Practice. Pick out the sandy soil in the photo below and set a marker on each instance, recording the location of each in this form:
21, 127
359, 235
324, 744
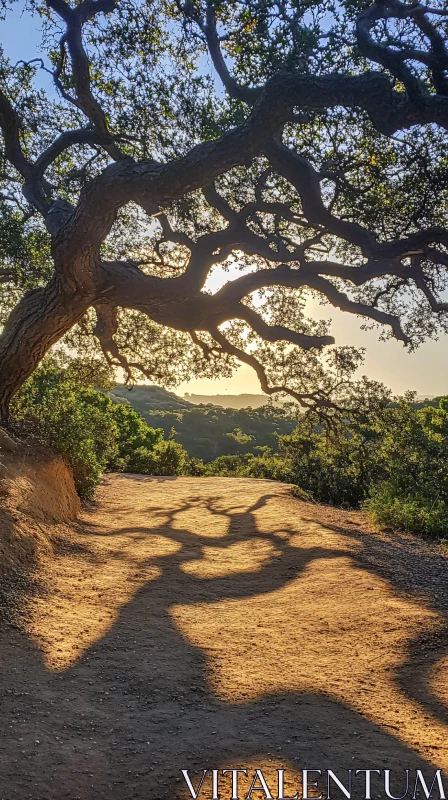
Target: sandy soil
219, 623
37, 493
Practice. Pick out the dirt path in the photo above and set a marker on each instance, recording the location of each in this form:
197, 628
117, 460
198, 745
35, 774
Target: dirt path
219, 623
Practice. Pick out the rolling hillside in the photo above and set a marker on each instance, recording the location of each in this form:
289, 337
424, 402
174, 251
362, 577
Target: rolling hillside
208, 431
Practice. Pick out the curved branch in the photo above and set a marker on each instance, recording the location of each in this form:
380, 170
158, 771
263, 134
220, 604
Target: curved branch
11, 127
105, 330
207, 351
395, 59
84, 99
236, 90
63, 142
340, 300
279, 333
383, 55
307, 400
306, 180
208, 28
309, 276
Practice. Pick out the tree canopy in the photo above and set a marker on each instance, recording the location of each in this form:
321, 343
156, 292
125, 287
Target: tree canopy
298, 145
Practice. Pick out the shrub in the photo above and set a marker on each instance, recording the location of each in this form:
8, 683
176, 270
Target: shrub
77, 422
165, 458
135, 439
269, 465
336, 465
195, 467
225, 466
413, 514
414, 453
93, 433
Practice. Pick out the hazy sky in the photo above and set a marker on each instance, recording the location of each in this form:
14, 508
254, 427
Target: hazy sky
424, 371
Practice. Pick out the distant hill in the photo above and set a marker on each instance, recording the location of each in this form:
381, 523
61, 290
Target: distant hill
228, 400
208, 431
427, 400
149, 398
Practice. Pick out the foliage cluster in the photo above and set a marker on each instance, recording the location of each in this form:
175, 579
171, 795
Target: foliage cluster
61, 407
208, 432
413, 453
393, 465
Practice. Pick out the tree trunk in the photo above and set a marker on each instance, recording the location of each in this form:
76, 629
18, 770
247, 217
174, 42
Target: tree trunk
37, 322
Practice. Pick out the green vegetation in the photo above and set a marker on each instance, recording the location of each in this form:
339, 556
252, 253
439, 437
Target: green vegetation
394, 466
413, 453
208, 431
59, 405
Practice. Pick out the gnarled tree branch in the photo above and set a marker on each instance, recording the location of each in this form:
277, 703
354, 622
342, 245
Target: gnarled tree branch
409, 88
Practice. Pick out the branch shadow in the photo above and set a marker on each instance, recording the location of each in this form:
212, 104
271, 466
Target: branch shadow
416, 569
139, 705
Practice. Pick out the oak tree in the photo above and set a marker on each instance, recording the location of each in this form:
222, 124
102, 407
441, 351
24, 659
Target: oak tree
296, 148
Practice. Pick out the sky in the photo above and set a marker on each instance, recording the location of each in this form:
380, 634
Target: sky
424, 371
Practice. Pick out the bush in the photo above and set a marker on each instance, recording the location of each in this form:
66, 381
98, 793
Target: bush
195, 467
225, 466
394, 466
269, 465
135, 439
413, 514
165, 458
92, 433
336, 466
414, 453
77, 422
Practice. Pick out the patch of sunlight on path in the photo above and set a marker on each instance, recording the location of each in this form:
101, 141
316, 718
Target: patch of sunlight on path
336, 630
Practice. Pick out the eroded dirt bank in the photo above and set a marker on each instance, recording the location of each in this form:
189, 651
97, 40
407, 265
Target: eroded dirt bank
37, 493
192, 623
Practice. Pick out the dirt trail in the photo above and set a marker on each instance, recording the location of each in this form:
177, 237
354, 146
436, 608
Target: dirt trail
219, 623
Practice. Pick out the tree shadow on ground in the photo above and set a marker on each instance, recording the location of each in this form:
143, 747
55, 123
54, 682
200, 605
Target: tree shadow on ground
414, 569
146, 699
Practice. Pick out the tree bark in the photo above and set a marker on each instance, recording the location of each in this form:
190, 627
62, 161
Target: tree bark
37, 322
